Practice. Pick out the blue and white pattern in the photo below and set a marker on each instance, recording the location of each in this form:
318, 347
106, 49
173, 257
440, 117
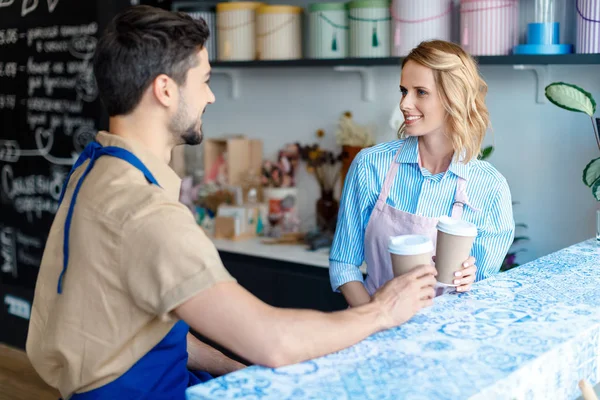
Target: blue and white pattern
416, 191
530, 333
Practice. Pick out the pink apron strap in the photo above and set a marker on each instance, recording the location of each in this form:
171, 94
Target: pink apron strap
389, 179
460, 199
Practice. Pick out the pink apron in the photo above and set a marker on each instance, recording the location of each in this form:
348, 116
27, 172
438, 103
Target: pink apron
386, 221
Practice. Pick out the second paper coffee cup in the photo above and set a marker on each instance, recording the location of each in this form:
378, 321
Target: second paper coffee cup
409, 251
454, 241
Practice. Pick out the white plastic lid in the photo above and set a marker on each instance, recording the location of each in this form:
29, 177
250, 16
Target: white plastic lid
408, 245
456, 227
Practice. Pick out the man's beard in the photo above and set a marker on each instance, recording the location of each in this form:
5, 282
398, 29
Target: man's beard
186, 132
192, 136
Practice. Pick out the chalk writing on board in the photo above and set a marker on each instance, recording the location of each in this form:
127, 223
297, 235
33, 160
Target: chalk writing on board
15, 245
28, 246
6, 3
44, 139
32, 195
18, 306
52, 5
8, 36
8, 69
83, 47
28, 6
8, 251
10, 151
8, 101
47, 115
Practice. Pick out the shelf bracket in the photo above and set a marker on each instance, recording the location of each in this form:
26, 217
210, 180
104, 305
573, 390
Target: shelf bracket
542, 79
366, 74
234, 76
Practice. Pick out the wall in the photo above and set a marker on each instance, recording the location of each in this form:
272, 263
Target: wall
540, 148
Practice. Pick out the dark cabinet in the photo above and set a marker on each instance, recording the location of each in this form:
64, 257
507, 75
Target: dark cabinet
284, 284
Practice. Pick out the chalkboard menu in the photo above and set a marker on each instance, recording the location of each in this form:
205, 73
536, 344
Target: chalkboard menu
49, 111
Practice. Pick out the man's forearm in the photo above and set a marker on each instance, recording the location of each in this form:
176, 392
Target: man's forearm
271, 336
305, 334
202, 357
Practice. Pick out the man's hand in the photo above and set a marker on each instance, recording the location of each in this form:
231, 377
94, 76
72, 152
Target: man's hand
402, 297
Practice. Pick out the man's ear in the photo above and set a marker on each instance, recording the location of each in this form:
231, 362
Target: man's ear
164, 90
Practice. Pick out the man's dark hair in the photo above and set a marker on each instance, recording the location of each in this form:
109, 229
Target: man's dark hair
139, 44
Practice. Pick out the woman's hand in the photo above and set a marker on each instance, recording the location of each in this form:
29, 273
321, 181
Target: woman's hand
465, 277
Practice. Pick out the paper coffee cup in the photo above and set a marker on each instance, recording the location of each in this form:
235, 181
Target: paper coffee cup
454, 242
409, 251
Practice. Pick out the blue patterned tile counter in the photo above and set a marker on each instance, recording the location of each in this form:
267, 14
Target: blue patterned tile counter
529, 333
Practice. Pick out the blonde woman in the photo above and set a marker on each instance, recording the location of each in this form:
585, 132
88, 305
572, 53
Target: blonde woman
404, 186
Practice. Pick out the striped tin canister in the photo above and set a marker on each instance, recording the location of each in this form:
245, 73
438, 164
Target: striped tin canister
418, 20
489, 27
328, 30
279, 32
369, 22
588, 26
207, 14
236, 36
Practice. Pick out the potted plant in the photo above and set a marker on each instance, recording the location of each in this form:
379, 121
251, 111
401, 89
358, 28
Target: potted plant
353, 138
573, 98
324, 165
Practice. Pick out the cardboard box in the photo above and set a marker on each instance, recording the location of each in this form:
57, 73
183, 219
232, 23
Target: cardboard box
237, 222
242, 156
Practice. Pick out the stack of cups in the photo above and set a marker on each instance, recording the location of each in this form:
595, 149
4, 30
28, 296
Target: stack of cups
454, 242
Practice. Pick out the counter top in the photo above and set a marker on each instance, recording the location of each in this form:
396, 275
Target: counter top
284, 252
532, 332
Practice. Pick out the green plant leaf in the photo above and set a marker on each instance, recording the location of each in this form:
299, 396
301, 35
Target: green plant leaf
596, 189
486, 152
520, 239
591, 173
571, 97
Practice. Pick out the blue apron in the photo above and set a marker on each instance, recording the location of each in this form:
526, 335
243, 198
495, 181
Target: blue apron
162, 373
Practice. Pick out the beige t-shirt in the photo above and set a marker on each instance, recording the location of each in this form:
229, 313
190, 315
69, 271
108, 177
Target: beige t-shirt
136, 253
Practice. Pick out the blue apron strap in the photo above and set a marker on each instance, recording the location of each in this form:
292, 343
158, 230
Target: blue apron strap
126, 155
93, 151
90, 149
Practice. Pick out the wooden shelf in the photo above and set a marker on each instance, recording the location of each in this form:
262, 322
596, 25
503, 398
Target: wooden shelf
563, 59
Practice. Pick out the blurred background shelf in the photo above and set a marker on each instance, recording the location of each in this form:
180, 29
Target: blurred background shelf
561, 59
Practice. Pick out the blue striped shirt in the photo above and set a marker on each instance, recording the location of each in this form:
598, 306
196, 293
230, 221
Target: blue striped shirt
416, 191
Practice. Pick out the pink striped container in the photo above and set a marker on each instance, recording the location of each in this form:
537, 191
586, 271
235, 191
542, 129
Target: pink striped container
588, 26
418, 20
489, 27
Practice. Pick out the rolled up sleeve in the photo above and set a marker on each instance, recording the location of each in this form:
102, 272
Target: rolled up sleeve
347, 250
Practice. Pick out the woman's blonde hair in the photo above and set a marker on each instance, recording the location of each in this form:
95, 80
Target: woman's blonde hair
462, 92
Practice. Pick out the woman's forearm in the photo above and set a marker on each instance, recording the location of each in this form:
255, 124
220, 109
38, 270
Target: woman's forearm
355, 293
